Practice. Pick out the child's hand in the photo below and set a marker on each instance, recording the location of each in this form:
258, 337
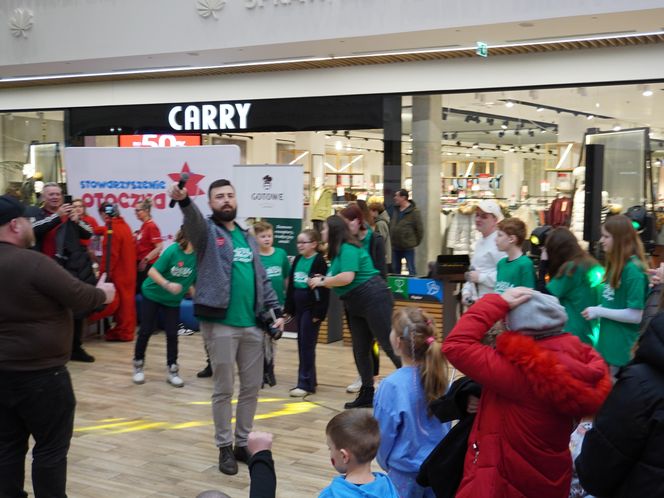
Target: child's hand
473, 404
174, 288
514, 296
259, 441
591, 312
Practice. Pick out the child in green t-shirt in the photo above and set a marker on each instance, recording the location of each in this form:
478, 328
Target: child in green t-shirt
277, 267
517, 269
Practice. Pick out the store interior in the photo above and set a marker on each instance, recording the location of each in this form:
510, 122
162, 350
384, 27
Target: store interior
520, 147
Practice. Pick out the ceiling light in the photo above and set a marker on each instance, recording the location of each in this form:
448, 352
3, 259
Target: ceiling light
509, 103
504, 125
597, 104
540, 109
338, 145
476, 145
617, 127
517, 132
501, 134
489, 121
531, 133
647, 92
589, 117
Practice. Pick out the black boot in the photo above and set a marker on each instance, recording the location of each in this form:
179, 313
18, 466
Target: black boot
206, 372
364, 399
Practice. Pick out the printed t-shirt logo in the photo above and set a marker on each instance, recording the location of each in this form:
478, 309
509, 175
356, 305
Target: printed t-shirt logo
180, 271
273, 271
502, 287
242, 255
608, 293
300, 277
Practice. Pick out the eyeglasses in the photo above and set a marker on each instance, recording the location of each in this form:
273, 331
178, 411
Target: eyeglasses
305, 241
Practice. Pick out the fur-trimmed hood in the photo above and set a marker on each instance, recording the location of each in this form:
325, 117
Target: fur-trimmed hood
573, 380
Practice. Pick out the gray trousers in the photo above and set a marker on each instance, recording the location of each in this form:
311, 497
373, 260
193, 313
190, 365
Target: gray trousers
227, 346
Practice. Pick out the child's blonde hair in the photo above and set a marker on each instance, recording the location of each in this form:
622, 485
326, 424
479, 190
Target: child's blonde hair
416, 331
262, 226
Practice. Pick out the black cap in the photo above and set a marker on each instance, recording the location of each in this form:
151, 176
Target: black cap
10, 208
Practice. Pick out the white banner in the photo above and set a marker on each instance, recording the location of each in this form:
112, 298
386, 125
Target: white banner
269, 190
127, 175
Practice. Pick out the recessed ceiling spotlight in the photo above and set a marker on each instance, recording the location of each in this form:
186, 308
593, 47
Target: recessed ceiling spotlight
476, 145
589, 117
597, 105
504, 125
540, 109
509, 103
617, 127
647, 92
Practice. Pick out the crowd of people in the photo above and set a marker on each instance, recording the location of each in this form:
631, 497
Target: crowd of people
546, 346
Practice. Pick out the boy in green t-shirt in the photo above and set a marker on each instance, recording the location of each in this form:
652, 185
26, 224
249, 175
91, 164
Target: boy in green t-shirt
276, 264
517, 269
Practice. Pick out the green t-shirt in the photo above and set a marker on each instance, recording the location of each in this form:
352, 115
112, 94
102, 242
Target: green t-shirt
178, 267
355, 259
277, 267
616, 339
240, 311
519, 272
302, 270
578, 288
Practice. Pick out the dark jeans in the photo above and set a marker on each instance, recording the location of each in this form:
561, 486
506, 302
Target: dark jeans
307, 337
398, 255
170, 316
369, 309
41, 404
141, 275
77, 339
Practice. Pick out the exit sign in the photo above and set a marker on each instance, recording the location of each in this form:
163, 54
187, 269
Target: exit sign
482, 49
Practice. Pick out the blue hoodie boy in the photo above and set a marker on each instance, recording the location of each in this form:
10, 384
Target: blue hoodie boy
381, 487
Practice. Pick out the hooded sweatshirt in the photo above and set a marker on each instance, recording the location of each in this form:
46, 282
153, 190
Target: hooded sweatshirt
534, 388
381, 487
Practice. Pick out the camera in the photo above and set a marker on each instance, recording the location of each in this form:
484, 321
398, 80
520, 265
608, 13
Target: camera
268, 326
109, 209
538, 239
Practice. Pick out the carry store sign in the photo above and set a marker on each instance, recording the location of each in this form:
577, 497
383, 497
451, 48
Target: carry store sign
126, 176
415, 289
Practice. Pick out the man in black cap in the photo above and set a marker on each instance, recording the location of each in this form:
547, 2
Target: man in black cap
36, 394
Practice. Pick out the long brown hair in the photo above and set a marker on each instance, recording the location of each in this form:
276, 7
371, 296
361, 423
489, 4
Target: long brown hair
338, 233
626, 243
562, 247
416, 330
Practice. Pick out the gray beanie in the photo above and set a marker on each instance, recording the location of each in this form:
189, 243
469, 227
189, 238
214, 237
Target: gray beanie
541, 315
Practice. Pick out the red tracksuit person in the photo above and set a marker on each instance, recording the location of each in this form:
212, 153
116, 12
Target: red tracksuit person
123, 275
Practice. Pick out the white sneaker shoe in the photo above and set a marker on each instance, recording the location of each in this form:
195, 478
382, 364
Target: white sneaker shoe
355, 386
139, 375
174, 378
296, 392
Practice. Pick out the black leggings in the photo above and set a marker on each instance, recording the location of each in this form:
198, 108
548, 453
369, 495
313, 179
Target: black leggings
171, 316
369, 311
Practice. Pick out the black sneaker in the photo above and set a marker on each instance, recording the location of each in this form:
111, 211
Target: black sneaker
364, 399
206, 372
241, 454
81, 355
227, 462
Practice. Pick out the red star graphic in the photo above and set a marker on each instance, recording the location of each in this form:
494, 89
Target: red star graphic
192, 184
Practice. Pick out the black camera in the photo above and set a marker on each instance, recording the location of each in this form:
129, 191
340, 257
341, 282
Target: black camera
268, 325
537, 239
109, 209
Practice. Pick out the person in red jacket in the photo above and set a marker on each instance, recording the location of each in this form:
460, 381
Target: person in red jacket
122, 273
535, 384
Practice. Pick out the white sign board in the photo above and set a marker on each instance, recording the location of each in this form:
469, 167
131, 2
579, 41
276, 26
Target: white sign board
269, 190
127, 175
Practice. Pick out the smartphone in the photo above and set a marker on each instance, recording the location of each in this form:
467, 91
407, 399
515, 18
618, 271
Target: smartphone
68, 199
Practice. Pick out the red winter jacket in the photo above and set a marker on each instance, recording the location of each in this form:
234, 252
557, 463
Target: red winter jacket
532, 393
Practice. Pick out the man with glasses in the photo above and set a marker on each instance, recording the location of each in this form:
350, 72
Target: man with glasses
36, 395
59, 231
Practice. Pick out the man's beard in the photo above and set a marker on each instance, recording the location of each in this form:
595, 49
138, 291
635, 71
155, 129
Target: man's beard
224, 215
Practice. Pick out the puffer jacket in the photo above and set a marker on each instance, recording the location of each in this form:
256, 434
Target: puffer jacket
406, 228
622, 455
532, 392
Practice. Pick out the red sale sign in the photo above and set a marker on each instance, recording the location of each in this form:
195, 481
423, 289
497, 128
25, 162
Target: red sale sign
154, 140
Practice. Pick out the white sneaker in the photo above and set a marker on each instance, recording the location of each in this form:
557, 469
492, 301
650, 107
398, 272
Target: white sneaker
355, 386
296, 392
139, 375
174, 378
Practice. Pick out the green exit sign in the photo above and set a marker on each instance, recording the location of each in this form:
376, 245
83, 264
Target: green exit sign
482, 49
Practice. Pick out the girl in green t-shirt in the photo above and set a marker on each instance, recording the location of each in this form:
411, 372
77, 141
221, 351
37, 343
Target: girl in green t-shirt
575, 279
624, 293
169, 279
366, 297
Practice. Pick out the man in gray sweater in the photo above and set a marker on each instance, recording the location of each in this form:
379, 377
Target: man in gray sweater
36, 394
232, 293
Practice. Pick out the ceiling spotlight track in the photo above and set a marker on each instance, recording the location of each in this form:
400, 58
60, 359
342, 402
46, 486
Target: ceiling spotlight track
540, 107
